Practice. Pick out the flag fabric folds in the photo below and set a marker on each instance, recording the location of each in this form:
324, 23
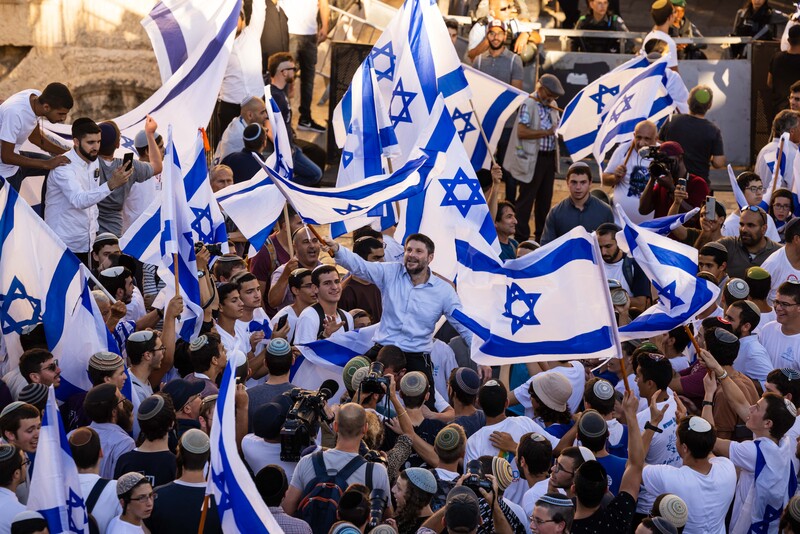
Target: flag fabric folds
46, 284
240, 507
524, 310
665, 225
672, 269
55, 489
452, 199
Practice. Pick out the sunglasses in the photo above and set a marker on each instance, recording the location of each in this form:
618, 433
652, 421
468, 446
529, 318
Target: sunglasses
755, 209
52, 367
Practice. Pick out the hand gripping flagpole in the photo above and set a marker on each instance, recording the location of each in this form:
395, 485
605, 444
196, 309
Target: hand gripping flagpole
774, 184
288, 228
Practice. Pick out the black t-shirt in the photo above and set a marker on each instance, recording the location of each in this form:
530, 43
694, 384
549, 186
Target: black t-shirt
699, 138
159, 467
785, 70
427, 430
243, 165
616, 517
177, 510
286, 110
471, 423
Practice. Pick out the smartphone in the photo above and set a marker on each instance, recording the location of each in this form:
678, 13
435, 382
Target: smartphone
282, 322
682, 182
711, 209
127, 160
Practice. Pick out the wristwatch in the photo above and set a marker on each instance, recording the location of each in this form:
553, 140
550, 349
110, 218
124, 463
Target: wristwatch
650, 426
708, 403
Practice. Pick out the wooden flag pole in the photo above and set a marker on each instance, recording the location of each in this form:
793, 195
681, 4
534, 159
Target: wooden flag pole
693, 340
628, 155
624, 374
288, 229
201, 527
777, 168
177, 278
316, 234
483, 134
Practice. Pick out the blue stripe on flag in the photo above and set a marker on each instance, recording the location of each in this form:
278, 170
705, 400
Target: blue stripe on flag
452, 82
174, 43
347, 107
420, 49
332, 352
197, 175
489, 123
145, 236
674, 259
663, 322
370, 136
581, 142
7, 218
56, 305
568, 251
442, 135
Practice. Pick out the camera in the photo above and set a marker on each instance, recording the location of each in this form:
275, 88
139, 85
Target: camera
374, 457
303, 420
215, 249
377, 503
476, 478
374, 381
661, 165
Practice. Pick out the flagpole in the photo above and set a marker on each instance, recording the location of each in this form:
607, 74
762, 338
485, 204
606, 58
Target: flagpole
628, 155
288, 229
203, 514
318, 236
694, 341
98, 284
777, 168
483, 134
177, 278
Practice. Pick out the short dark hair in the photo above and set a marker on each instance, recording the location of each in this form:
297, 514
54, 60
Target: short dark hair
493, 398
451, 23
296, 277
365, 245
9, 466
317, 273
114, 283
276, 59
224, 290
190, 461
681, 338
700, 444
57, 96
10, 422
502, 205
425, 240
661, 14
31, 362
538, 454
720, 256
392, 358
463, 397
603, 406
97, 377
101, 411
87, 453
659, 371
746, 178
157, 426
746, 314
242, 278
202, 356
84, 126
607, 228
366, 231
795, 87
279, 365
594, 444
224, 269
759, 287
785, 385
790, 289
700, 106
558, 514
777, 412
591, 481
791, 230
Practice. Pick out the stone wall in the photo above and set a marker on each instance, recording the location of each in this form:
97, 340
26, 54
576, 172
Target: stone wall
97, 48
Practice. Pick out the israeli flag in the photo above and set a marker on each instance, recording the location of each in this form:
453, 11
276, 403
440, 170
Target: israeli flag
452, 199
258, 194
494, 102
325, 358
523, 310
583, 115
46, 283
672, 269
414, 62
665, 225
55, 489
240, 507
765, 166
645, 97
738, 194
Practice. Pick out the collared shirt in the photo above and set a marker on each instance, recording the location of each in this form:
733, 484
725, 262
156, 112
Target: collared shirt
10, 506
289, 524
410, 312
548, 143
740, 259
232, 139
243, 77
115, 442
140, 389
565, 216
73, 192
753, 359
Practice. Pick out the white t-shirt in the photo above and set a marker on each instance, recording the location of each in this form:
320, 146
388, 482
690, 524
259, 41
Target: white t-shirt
783, 350
628, 191
534, 494
243, 78
753, 359
17, 122
576, 375
11, 507
118, 526
259, 454
291, 320
709, 495
107, 506
663, 449
140, 196
780, 270
302, 15
672, 48
238, 342
614, 272
479, 445
307, 325
731, 227
766, 318
444, 361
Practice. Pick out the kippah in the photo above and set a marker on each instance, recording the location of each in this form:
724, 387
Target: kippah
794, 507
790, 373
723, 336
702, 96
586, 454
106, 237
448, 439
33, 393
502, 472
535, 436
492, 383
112, 272
195, 441
383, 529
141, 336
150, 407
422, 479
80, 436
716, 245
468, 380
674, 510
229, 257
279, 347
345, 528
752, 306
105, 361
358, 376
237, 358
603, 389
414, 384
738, 288
577, 165
648, 346
698, 424
198, 343
758, 273
6, 451
663, 526
350, 369
27, 515
127, 482
252, 132
556, 501
659, 4
11, 407
592, 425
790, 406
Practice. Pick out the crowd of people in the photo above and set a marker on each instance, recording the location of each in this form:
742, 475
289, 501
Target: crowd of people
694, 430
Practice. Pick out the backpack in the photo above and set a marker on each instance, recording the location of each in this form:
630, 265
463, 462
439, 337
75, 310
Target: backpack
91, 500
342, 317
322, 494
443, 487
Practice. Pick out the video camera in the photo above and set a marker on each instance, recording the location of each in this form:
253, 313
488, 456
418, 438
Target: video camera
215, 249
303, 420
662, 165
476, 478
374, 382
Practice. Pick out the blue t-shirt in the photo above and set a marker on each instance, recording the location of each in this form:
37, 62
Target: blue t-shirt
559, 429
614, 467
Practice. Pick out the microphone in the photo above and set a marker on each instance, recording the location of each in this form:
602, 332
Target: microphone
644, 152
328, 389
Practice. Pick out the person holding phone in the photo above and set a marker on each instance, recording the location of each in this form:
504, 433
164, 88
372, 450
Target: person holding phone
305, 295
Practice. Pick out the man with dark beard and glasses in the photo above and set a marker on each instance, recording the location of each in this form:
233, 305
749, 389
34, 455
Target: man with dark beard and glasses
73, 190
112, 418
413, 300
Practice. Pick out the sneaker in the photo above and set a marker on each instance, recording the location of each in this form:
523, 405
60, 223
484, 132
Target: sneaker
310, 126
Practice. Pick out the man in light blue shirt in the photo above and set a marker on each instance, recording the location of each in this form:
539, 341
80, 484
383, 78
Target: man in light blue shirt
413, 298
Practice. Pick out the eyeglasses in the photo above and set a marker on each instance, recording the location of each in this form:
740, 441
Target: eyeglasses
294, 69
145, 498
782, 304
540, 521
306, 286
505, 8
160, 349
558, 467
777, 206
755, 189
52, 367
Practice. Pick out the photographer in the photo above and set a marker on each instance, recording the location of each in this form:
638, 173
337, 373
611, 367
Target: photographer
667, 172
312, 482
492, 519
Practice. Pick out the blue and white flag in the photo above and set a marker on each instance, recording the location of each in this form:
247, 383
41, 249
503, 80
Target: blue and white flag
46, 283
672, 269
665, 225
523, 310
414, 62
55, 489
259, 195
452, 199
645, 97
584, 113
240, 507
738, 194
494, 102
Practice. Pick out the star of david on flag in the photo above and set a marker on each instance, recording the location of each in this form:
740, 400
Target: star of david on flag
26, 308
672, 268
598, 97
504, 303
466, 118
455, 189
400, 111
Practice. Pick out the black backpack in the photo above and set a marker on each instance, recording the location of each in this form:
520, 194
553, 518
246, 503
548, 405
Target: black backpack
342, 318
91, 500
443, 487
322, 494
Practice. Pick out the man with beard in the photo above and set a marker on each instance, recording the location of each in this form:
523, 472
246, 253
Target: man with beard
752, 247
413, 299
145, 354
111, 416
306, 255
498, 61
619, 266
73, 190
753, 359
